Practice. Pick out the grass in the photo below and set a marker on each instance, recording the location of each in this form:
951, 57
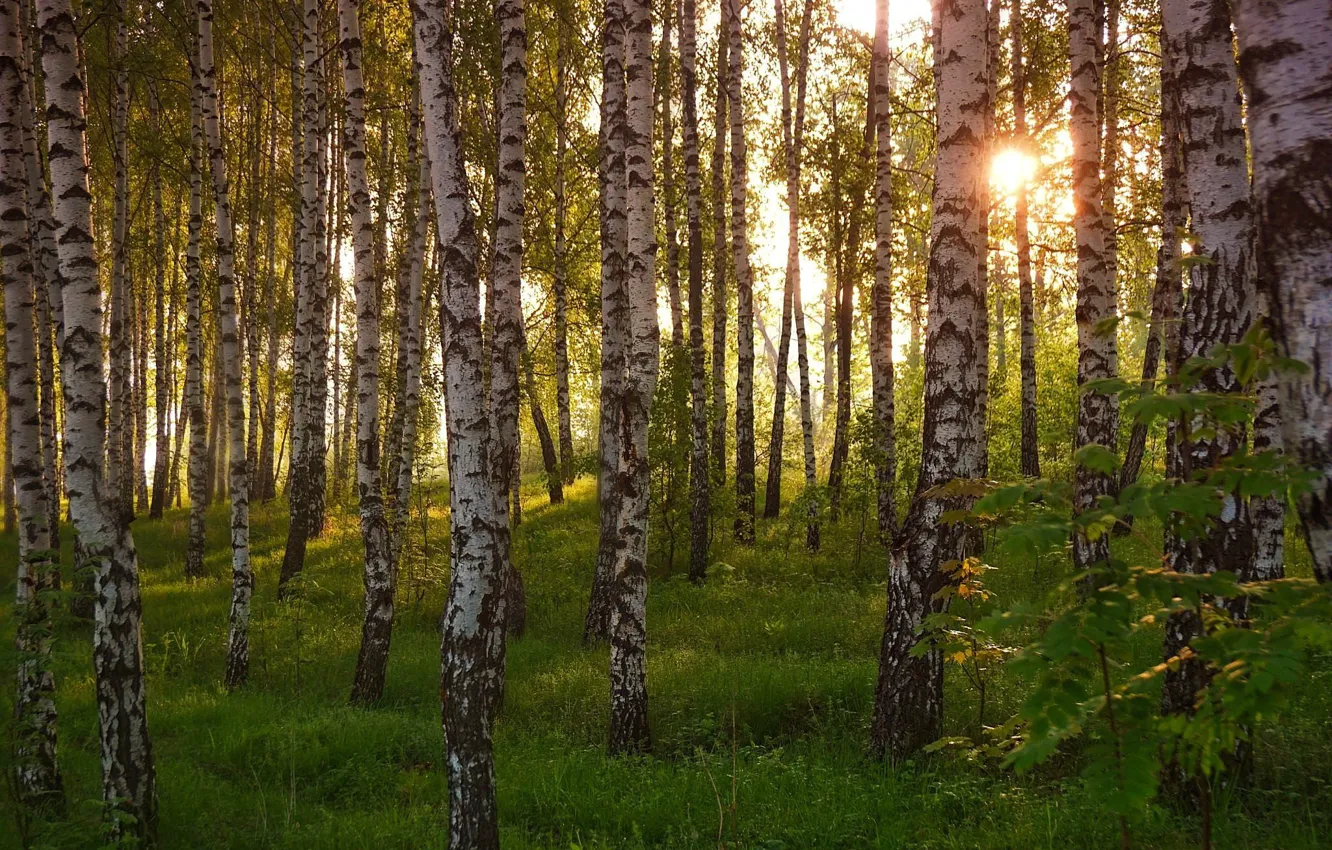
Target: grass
760, 682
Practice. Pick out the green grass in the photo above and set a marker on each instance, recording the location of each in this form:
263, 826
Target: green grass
760, 683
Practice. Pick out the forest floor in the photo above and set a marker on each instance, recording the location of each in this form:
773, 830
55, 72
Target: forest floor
760, 683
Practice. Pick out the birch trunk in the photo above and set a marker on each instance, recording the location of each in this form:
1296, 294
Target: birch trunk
266, 474
744, 280
614, 312
550, 459
668, 185
1030, 447
719, 312
1098, 413
402, 428
310, 346
197, 471
120, 426
37, 770
1221, 291
238, 478
162, 373
700, 496
561, 249
506, 341
908, 705
128, 778
377, 626
628, 625
881, 298
46, 269
1290, 124
472, 665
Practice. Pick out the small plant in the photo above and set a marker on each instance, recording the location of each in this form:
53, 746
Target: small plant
959, 633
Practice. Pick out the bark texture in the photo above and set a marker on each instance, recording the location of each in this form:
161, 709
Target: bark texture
908, 706
881, 296
744, 279
1098, 357
238, 478
1284, 51
37, 770
128, 776
472, 644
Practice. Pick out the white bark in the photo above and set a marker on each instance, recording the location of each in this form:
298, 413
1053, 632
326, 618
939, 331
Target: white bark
472, 672
128, 778
881, 296
242, 580
377, 623
36, 768
1285, 53
744, 280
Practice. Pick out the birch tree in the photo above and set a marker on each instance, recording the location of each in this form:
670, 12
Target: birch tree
505, 291
1098, 412
238, 478
628, 626
472, 644
197, 473
561, 245
719, 303
37, 770
908, 702
744, 280
700, 494
1030, 449
614, 310
379, 581
881, 297
128, 775
1283, 48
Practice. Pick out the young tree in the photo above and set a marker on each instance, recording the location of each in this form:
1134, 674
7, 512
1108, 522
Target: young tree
1166, 291
238, 478
699, 490
628, 626
128, 776
197, 471
37, 770
1030, 449
120, 427
744, 279
881, 297
377, 624
1098, 358
505, 291
908, 702
561, 245
719, 303
1290, 123
472, 644
162, 375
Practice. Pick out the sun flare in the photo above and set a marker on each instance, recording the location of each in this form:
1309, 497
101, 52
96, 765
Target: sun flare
1011, 170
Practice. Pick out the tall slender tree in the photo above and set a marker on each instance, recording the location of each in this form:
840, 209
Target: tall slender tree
561, 243
377, 624
37, 770
238, 477
1098, 412
628, 626
744, 279
196, 472
700, 493
472, 644
614, 310
881, 297
505, 290
128, 774
719, 264
1030, 448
